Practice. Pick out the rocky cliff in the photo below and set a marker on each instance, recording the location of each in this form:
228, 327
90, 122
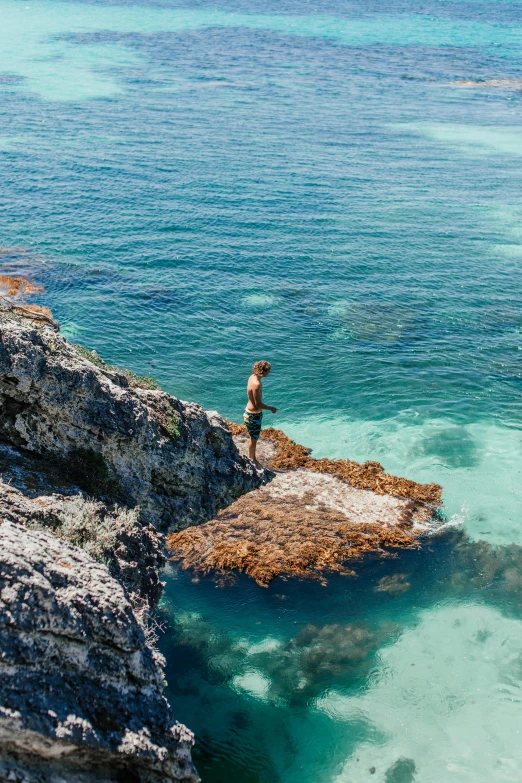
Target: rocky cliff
135, 446
97, 465
95, 468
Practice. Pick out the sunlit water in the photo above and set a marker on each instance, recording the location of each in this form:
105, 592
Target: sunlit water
200, 186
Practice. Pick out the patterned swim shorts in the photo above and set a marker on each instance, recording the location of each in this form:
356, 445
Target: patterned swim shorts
253, 423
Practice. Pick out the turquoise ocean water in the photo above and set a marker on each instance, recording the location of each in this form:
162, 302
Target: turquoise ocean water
199, 186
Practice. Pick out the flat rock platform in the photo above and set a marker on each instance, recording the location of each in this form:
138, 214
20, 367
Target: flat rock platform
313, 517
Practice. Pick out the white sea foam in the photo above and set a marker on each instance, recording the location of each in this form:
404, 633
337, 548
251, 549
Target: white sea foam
70, 329
447, 695
478, 464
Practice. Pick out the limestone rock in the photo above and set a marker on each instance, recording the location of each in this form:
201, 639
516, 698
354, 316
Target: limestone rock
80, 691
137, 447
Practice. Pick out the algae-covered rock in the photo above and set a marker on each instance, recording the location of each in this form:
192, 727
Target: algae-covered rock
310, 521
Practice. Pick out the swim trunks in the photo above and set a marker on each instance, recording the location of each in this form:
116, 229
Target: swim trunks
253, 423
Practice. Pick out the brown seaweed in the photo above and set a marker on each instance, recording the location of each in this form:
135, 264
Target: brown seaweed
13, 286
370, 475
12, 298
267, 537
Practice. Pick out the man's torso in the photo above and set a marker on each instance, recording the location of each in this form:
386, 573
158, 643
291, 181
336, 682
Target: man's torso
255, 394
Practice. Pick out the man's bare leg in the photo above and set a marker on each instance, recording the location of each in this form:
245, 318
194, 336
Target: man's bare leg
252, 443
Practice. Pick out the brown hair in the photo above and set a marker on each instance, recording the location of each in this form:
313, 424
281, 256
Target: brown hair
261, 368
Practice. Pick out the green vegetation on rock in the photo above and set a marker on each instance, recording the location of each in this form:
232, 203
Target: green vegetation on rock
135, 381
83, 525
172, 426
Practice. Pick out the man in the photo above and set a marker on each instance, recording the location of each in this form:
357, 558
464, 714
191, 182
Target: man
254, 410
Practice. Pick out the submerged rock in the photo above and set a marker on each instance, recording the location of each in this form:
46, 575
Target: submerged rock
294, 670
403, 771
318, 656
394, 585
80, 691
312, 519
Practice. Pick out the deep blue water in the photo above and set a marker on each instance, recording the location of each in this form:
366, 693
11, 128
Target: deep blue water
199, 186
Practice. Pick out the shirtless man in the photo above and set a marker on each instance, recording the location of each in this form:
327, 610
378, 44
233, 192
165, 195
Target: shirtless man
253, 415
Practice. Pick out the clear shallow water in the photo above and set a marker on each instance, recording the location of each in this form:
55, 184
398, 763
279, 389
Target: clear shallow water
204, 186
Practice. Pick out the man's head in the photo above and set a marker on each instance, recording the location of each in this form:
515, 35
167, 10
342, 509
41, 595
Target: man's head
261, 369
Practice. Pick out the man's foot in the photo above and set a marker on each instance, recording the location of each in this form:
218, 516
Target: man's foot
258, 464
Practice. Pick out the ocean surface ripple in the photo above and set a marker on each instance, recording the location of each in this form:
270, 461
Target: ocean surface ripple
335, 187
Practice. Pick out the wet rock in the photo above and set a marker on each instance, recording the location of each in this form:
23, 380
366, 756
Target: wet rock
80, 691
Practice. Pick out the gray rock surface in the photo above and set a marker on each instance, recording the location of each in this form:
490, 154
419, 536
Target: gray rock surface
141, 448
132, 551
80, 691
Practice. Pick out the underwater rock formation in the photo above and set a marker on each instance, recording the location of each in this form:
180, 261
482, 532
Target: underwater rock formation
394, 585
402, 771
494, 570
120, 444
80, 690
319, 655
294, 670
313, 518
